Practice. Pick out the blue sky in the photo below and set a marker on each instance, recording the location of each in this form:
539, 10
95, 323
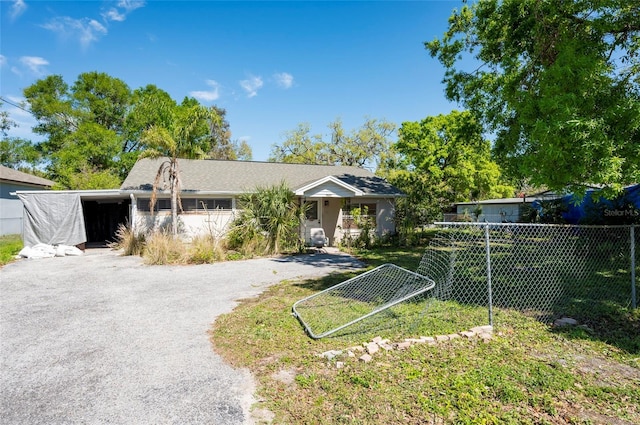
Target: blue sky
271, 65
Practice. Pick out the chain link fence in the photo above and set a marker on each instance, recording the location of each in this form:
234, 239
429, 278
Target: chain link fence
474, 273
544, 271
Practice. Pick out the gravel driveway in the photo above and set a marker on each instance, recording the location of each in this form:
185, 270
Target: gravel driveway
105, 339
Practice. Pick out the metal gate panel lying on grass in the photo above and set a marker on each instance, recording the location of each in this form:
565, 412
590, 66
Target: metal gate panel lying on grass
379, 289
356, 299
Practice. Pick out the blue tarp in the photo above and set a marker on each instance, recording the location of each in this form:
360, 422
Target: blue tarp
624, 209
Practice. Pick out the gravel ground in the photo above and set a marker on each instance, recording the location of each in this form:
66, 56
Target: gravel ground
103, 339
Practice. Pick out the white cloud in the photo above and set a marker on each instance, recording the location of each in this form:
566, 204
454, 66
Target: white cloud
17, 9
122, 9
113, 15
251, 85
35, 64
85, 30
3, 60
208, 96
131, 5
284, 79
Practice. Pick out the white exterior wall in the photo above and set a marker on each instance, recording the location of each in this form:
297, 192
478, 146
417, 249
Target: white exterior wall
493, 213
216, 223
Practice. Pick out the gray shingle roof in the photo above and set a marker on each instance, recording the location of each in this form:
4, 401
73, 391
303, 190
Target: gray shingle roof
216, 176
9, 174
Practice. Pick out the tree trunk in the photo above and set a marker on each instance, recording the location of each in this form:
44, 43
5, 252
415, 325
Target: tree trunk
174, 198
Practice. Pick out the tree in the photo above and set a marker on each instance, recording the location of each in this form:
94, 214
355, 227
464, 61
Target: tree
84, 125
444, 159
94, 128
556, 81
15, 152
300, 148
185, 135
243, 150
144, 113
363, 147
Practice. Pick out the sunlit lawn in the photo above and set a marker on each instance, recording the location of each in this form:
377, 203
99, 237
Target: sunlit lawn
10, 245
528, 373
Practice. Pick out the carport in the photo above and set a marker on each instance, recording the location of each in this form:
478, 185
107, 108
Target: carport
100, 213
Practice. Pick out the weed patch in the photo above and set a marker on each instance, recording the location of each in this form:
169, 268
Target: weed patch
10, 246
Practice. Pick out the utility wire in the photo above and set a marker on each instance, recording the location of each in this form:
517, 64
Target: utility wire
61, 116
7, 101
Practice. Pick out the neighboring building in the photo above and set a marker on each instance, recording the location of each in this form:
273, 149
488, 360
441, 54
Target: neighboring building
503, 210
11, 212
210, 190
565, 209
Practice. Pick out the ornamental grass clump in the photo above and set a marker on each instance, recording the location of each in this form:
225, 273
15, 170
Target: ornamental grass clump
129, 241
205, 249
163, 248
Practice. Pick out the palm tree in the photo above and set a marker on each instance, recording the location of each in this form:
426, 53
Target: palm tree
185, 135
270, 213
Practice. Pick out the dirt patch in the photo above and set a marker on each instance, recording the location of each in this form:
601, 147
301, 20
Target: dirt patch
607, 372
286, 376
590, 416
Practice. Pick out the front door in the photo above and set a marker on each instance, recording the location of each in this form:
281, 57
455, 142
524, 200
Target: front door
312, 218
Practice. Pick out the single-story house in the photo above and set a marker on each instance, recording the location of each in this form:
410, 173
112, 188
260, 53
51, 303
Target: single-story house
10, 206
501, 210
210, 190
624, 209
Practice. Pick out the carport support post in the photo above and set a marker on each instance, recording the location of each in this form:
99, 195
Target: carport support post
133, 212
634, 303
488, 251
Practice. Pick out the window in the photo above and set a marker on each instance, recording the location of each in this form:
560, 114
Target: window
311, 210
188, 204
367, 212
161, 205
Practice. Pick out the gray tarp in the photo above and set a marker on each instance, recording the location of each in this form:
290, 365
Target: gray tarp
53, 218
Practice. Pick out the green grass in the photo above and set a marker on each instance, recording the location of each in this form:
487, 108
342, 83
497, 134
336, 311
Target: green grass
528, 373
10, 245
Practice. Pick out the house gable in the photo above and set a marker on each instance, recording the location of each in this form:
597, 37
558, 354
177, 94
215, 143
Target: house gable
328, 187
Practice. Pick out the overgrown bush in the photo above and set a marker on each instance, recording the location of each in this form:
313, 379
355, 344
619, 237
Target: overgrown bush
366, 236
131, 243
411, 217
163, 248
205, 249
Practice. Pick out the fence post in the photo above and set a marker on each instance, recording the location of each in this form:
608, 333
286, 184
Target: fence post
488, 251
633, 268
